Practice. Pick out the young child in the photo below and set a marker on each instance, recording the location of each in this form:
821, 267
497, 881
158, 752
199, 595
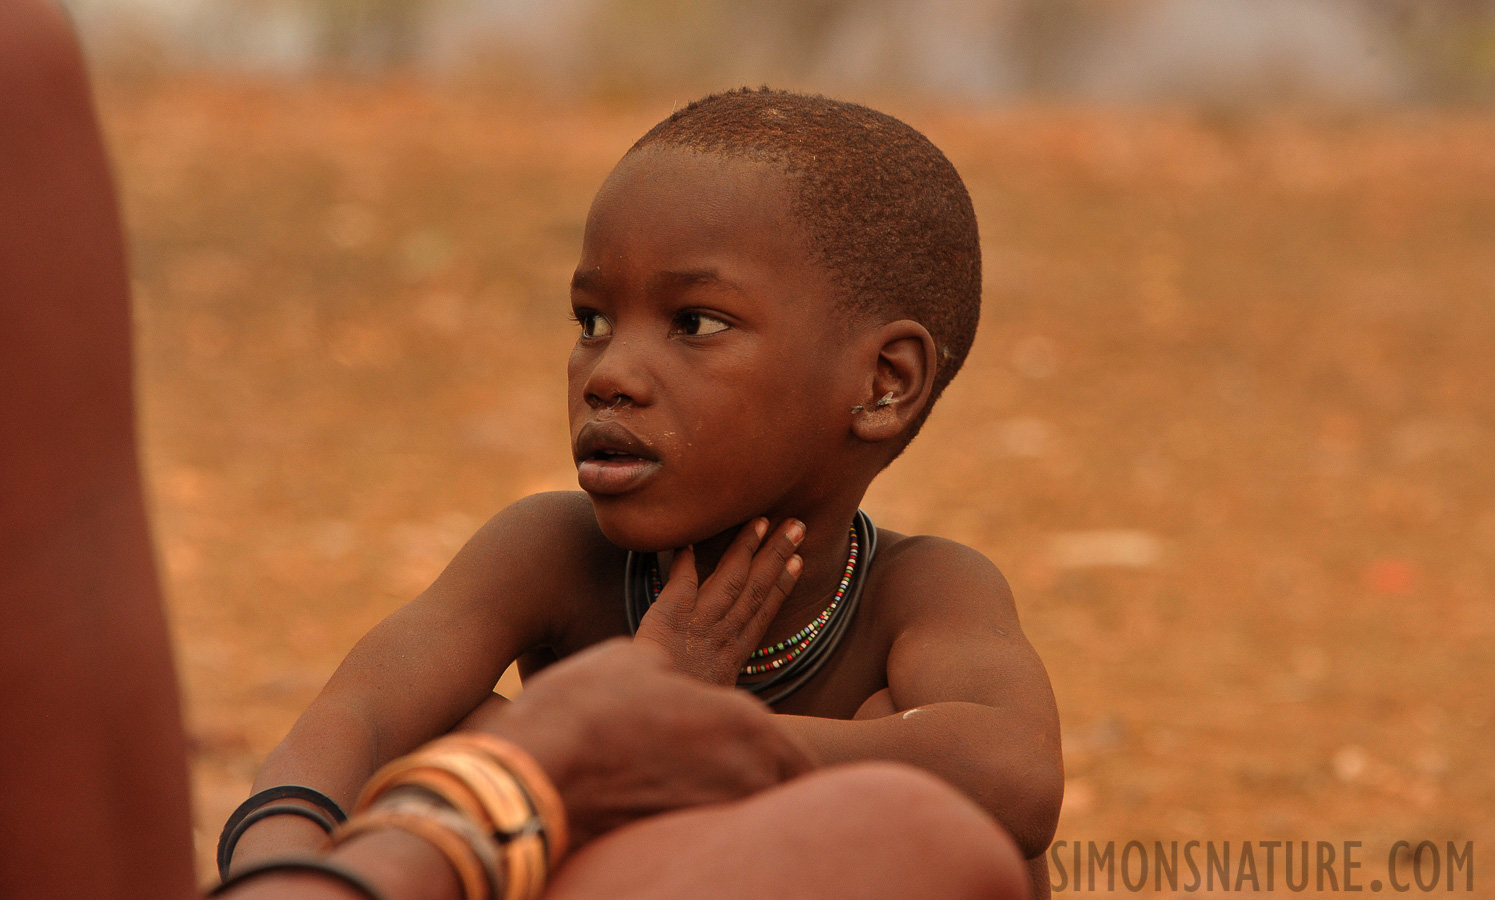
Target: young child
773, 291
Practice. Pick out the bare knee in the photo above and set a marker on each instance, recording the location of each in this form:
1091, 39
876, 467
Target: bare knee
925, 815
871, 830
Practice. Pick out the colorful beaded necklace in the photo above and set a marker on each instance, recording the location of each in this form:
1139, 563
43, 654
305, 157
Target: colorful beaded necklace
790, 648
792, 662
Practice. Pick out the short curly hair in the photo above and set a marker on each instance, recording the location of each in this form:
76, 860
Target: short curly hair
885, 211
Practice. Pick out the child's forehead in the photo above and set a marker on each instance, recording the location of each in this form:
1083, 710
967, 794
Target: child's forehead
670, 222
671, 199
716, 178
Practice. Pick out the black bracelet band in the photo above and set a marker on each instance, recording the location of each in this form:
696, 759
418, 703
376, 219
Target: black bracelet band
322, 820
234, 828
300, 864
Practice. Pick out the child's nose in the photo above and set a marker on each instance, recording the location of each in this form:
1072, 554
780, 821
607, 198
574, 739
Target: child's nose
598, 401
618, 378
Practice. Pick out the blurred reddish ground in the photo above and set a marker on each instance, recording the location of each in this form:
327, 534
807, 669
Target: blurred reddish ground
1228, 426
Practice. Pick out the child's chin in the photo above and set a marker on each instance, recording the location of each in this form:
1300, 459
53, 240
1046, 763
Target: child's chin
631, 529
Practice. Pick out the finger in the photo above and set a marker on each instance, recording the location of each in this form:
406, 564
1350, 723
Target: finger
768, 570
749, 538
730, 578
758, 622
681, 581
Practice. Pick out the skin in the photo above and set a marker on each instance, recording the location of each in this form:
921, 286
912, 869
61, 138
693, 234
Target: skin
717, 759
94, 775
99, 804
711, 336
945, 846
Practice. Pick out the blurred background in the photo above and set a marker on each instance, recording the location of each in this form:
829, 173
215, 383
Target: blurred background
1222, 426
1218, 50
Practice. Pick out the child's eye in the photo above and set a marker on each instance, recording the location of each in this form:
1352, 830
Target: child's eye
593, 324
698, 323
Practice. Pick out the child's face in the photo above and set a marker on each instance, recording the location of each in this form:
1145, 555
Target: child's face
707, 384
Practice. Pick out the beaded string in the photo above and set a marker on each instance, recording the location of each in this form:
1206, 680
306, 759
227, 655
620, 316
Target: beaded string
775, 686
792, 647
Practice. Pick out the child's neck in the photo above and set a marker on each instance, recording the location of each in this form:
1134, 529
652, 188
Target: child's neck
825, 548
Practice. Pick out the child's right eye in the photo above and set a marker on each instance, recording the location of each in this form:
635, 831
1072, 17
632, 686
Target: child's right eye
593, 324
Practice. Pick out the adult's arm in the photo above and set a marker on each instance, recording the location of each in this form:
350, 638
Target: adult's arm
684, 764
94, 801
620, 736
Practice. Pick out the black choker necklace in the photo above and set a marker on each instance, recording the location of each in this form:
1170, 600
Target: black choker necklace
637, 597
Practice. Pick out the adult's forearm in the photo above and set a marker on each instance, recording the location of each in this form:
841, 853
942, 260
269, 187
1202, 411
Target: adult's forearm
664, 749
1013, 776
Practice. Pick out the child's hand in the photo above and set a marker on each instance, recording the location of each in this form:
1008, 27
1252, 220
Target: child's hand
709, 632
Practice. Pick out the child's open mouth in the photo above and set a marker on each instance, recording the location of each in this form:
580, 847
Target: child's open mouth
612, 460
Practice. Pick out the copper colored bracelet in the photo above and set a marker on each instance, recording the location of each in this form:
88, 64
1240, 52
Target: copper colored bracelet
416, 770
469, 851
544, 798
498, 787
508, 814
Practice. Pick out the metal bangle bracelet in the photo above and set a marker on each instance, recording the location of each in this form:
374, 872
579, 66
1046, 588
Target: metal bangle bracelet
265, 799
231, 839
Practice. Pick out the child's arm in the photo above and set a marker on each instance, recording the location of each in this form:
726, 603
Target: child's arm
427, 665
979, 709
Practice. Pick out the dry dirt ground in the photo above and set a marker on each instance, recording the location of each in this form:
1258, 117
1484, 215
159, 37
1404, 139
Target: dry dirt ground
1228, 425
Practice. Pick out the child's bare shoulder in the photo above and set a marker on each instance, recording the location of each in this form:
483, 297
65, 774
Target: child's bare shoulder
531, 562
923, 579
550, 523
952, 630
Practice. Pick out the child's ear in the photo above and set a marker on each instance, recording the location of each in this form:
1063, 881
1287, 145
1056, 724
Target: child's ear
900, 382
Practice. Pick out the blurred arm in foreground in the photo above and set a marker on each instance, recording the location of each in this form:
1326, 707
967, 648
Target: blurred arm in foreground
95, 802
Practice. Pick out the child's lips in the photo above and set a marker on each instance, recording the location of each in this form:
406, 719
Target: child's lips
610, 475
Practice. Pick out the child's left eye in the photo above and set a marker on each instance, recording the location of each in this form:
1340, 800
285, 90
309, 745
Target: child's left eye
698, 323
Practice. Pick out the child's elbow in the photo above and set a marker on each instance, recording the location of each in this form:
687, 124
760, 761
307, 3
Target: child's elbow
1029, 810
1046, 796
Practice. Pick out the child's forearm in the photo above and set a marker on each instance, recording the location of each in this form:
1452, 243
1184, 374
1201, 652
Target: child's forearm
1011, 772
331, 748
398, 863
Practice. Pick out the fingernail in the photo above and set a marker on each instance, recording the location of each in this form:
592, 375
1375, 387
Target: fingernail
796, 532
760, 528
794, 564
